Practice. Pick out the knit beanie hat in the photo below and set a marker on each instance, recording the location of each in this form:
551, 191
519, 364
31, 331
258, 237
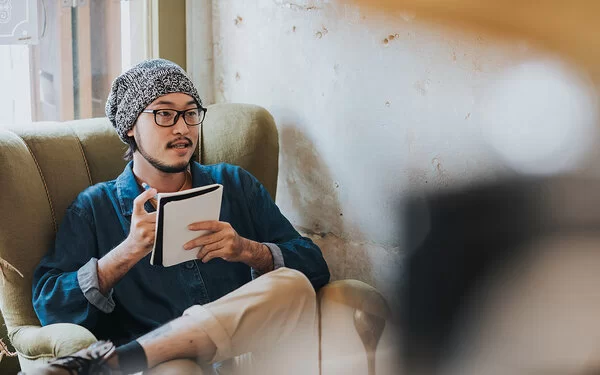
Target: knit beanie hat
134, 90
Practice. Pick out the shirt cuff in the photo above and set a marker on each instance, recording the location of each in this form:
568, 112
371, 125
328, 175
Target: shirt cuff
277, 259
87, 277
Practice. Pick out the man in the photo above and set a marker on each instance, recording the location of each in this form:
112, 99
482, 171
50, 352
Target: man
98, 274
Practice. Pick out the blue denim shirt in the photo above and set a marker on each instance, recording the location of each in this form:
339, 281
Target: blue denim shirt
65, 285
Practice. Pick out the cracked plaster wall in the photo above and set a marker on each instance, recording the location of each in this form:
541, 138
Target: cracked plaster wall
369, 109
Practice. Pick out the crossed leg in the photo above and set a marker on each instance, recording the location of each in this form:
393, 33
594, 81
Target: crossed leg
273, 317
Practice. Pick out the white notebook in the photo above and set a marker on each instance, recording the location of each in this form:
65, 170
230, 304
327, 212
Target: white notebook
175, 211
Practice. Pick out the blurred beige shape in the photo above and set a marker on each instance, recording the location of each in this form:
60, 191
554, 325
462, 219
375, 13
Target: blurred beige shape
570, 28
536, 317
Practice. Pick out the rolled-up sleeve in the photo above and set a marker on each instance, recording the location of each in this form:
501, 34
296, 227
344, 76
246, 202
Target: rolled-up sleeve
277, 258
87, 276
277, 255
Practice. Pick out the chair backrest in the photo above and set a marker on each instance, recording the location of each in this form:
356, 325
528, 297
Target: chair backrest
43, 166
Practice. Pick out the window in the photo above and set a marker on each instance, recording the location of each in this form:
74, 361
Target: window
82, 46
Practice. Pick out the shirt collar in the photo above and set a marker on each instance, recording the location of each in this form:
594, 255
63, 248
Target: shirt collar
128, 188
200, 175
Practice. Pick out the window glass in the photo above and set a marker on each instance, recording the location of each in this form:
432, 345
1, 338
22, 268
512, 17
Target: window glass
68, 73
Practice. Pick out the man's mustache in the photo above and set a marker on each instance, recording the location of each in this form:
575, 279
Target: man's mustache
189, 141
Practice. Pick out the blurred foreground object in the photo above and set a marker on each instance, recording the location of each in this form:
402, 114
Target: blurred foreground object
504, 278
570, 28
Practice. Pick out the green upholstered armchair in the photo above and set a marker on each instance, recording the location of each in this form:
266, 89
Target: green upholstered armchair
43, 166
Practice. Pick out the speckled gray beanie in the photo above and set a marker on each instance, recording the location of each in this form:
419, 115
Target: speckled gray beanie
134, 90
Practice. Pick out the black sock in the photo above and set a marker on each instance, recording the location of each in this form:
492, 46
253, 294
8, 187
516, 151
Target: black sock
132, 358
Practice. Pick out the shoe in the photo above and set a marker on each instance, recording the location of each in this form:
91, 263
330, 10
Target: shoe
91, 360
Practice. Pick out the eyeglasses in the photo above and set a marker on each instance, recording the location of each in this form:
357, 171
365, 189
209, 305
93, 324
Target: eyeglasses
169, 117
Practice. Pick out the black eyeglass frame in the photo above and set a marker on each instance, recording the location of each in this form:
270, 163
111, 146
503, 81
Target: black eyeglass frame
176, 118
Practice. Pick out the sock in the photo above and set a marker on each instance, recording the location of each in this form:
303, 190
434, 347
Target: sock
132, 358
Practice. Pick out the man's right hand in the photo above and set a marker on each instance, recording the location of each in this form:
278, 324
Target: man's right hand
114, 265
143, 225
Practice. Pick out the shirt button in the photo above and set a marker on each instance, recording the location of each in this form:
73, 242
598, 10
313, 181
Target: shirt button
189, 265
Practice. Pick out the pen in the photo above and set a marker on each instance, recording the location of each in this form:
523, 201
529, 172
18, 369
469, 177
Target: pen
147, 187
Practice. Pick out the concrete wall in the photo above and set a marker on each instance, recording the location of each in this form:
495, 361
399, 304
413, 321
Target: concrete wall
369, 108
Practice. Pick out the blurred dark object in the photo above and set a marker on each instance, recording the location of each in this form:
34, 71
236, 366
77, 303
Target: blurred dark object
457, 239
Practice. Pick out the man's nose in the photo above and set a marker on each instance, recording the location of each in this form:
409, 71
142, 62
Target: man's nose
180, 126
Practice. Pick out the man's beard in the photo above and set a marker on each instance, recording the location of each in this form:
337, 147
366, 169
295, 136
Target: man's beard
162, 166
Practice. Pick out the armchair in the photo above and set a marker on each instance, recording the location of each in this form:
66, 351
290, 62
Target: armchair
43, 166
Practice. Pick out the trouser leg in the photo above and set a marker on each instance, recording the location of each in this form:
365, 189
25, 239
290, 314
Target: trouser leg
181, 366
274, 317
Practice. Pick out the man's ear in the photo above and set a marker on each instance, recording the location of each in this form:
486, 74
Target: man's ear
130, 132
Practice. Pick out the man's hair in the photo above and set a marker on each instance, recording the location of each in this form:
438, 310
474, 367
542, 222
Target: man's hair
131, 148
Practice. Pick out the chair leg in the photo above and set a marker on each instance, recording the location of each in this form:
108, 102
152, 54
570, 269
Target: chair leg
370, 328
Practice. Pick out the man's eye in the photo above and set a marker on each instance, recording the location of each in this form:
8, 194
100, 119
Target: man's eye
192, 113
164, 114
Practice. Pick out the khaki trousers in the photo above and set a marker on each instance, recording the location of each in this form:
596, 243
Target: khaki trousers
268, 326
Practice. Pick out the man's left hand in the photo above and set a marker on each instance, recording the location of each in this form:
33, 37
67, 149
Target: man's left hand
224, 242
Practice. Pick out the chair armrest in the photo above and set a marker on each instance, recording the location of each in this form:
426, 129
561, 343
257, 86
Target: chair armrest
352, 320
357, 295
54, 340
